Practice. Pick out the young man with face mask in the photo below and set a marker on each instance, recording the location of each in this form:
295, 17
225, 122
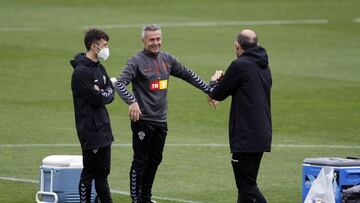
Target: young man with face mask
149, 71
92, 90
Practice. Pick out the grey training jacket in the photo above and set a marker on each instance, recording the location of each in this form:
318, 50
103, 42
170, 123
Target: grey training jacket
149, 76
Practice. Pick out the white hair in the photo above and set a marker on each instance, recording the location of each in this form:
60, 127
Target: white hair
149, 27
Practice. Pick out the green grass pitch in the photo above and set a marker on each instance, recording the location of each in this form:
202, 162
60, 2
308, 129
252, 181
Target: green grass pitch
315, 94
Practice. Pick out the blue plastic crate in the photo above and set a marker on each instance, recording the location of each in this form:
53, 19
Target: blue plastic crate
347, 174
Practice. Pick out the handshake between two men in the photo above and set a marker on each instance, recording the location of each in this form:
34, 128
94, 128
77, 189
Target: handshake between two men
213, 103
215, 79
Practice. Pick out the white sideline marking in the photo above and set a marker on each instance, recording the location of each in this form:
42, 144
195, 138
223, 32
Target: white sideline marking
38, 145
155, 197
317, 146
181, 24
215, 23
18, 180
187, 145
113, 191
357, 20
21, 29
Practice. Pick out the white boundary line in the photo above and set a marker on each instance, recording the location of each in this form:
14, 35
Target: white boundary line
187, 24
317, 146
37, 145
112, 191
155, 197
215, 23
21, 29
18, 180
187, 145
182, 24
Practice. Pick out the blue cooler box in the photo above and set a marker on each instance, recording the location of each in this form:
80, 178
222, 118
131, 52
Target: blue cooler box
347, 174
59, 180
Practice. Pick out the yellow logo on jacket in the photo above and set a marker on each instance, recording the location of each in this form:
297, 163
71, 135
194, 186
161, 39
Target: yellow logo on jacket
159, 85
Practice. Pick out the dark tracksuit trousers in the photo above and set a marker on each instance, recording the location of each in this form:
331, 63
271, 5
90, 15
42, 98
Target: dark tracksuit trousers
246, 168
96, 167
148, 145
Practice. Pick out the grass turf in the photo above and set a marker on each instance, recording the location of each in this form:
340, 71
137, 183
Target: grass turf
315, 95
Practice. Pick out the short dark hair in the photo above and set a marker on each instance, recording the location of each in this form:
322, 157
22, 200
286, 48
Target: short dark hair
94, 35
247, 42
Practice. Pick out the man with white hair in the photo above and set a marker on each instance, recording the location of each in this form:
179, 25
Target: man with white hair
149, 72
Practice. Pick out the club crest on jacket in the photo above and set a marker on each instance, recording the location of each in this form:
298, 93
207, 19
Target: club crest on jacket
141, 135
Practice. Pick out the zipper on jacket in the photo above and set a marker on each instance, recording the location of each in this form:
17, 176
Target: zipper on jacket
158, 68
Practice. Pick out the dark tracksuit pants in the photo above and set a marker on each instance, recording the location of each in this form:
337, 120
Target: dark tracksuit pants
148, 145
246, 167
96, 167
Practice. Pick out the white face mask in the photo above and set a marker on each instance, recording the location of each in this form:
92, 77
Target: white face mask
104, 53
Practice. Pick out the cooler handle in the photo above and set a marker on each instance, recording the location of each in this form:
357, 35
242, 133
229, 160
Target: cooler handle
42, 192
56, 199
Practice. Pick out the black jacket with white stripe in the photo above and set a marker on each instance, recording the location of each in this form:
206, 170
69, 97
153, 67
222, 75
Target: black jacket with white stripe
149, 75
91, 116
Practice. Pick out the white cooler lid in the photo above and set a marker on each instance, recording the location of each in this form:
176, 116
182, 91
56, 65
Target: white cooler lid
332, 161
69, 161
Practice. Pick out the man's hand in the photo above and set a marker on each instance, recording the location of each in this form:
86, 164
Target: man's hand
113, 81
212, 103
134, 112
218, 74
